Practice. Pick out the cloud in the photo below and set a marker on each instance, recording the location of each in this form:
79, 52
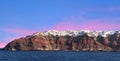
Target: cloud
88, 25
66, 26
98, 25
18, 31
116, 8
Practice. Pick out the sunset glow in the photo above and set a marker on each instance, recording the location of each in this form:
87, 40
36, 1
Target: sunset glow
22, 18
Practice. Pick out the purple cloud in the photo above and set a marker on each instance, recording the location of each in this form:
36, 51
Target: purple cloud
116, 8
88, 25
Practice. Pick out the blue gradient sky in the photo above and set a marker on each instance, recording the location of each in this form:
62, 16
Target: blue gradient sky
22, 17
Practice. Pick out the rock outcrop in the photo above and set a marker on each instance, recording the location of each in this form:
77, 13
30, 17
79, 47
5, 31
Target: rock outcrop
68, 40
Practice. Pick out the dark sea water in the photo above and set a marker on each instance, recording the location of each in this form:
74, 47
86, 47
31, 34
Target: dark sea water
58, 56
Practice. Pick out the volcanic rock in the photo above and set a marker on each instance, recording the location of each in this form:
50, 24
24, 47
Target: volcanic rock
82, 40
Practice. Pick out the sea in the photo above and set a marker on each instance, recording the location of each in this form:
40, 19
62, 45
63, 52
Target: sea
58, 56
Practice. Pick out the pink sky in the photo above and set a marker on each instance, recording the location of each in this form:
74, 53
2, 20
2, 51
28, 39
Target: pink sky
64, 25
19, 19
89, 25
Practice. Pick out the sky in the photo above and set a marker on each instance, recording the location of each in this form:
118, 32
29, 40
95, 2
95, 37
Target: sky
19, 18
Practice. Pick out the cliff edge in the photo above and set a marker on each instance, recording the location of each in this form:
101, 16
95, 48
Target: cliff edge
82, 40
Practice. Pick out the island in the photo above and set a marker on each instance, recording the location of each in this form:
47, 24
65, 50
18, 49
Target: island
70, 40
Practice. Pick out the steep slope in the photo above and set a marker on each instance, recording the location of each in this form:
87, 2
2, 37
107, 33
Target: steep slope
83, 40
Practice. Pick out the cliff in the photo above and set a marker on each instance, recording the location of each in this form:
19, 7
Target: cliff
68, 40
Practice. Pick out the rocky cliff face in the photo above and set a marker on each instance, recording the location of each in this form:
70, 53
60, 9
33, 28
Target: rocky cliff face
68, 40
